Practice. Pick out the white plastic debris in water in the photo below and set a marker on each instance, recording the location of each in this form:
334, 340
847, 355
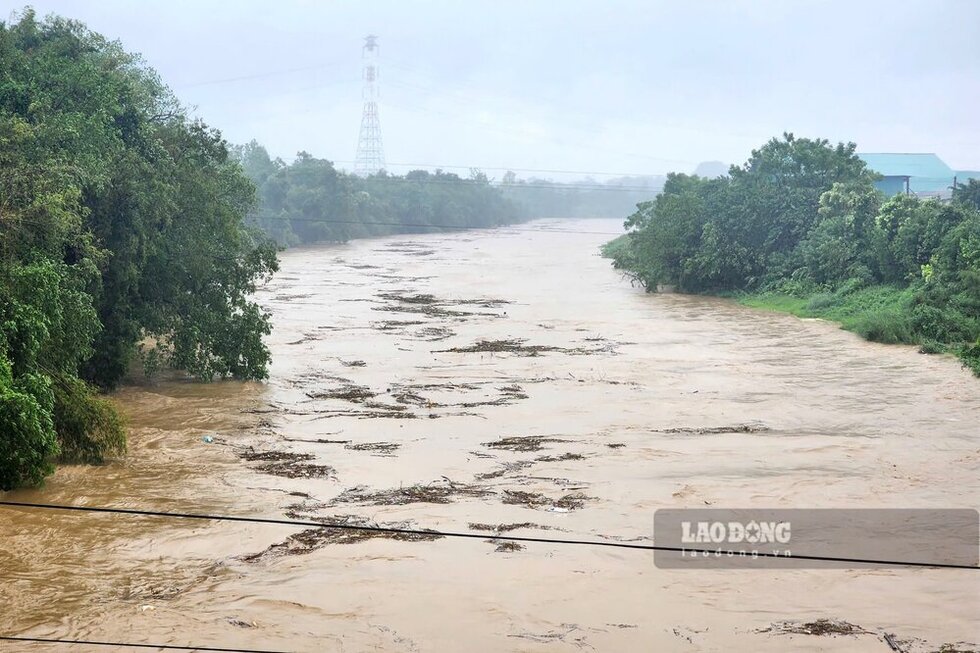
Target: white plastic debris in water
207, 439
557, 509
144, 608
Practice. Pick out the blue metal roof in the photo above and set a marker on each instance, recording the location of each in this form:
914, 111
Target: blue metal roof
927, 172
907, 165
962, 176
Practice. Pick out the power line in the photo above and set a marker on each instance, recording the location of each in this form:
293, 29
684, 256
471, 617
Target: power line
116, 645
469, 535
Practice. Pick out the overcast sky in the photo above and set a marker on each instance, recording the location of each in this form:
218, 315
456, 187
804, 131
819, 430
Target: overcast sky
637, 87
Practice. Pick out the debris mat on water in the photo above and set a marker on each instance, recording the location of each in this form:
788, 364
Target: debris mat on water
380, 448
349, 392
712, 430
286, 464
436, 492
523, 442
312, 539
820, 627
535, 500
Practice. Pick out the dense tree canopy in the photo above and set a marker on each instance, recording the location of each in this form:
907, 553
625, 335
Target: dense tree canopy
309, 200
803, 218
121, 227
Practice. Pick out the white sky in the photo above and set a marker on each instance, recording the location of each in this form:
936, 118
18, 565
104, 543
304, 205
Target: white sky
605, 85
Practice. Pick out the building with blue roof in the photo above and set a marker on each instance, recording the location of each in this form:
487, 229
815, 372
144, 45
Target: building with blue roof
923, 174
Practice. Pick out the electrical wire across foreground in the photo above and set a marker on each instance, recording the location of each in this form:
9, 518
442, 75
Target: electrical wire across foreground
380, 529
118, 645
477, 536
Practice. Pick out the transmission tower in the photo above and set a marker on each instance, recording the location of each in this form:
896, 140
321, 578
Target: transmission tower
370, 151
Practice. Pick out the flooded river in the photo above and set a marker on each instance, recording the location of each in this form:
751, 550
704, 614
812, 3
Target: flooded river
500, 381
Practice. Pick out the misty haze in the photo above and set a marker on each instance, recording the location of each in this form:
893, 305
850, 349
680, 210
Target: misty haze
511, 326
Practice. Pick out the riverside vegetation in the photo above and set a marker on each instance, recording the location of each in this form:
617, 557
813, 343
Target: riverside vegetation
130, 232
121, 236
800, 228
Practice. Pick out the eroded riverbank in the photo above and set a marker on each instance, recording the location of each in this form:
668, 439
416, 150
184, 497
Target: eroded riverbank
502, 381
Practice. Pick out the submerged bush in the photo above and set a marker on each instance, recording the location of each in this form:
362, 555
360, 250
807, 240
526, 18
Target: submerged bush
889, 326
27, 437
88, 427
971, 357
820, 300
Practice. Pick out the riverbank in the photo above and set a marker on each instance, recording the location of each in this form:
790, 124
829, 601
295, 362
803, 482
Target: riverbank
879, 313
882, 314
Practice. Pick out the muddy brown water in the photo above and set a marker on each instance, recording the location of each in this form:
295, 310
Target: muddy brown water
481, 380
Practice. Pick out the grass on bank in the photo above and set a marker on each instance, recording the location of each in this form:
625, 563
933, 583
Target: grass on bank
880, 313
885, 314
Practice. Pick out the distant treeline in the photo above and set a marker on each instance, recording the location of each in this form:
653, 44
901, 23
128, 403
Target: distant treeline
309, 200
800, 227
121, 232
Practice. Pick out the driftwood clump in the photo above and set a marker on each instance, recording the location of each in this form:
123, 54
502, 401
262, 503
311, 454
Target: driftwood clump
820, 627
505, 468
535, 500
713, 430
522, 442
561, 458
518, 347
514, 346
431, 306
286, 464
380, 448
507, 546
353, 529
412, 394
348, 392
437, 492
503, 528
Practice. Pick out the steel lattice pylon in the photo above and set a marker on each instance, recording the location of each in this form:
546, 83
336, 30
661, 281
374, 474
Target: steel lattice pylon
370, 150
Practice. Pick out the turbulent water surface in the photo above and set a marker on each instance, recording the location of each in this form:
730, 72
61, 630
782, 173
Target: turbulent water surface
505, 381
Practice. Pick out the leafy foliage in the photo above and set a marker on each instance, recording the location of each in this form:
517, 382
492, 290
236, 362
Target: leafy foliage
801, 227
309, 200
120, 221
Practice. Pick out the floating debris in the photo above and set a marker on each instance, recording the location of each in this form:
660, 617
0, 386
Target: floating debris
712, 430
505, 468
507, 546
286, 464
381, 448
522, 442
561, 458
434, 334
535, 500
312, 539
505, 528
514, 346
348, 392
432, 306
518, 347
436, 492
820, 627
